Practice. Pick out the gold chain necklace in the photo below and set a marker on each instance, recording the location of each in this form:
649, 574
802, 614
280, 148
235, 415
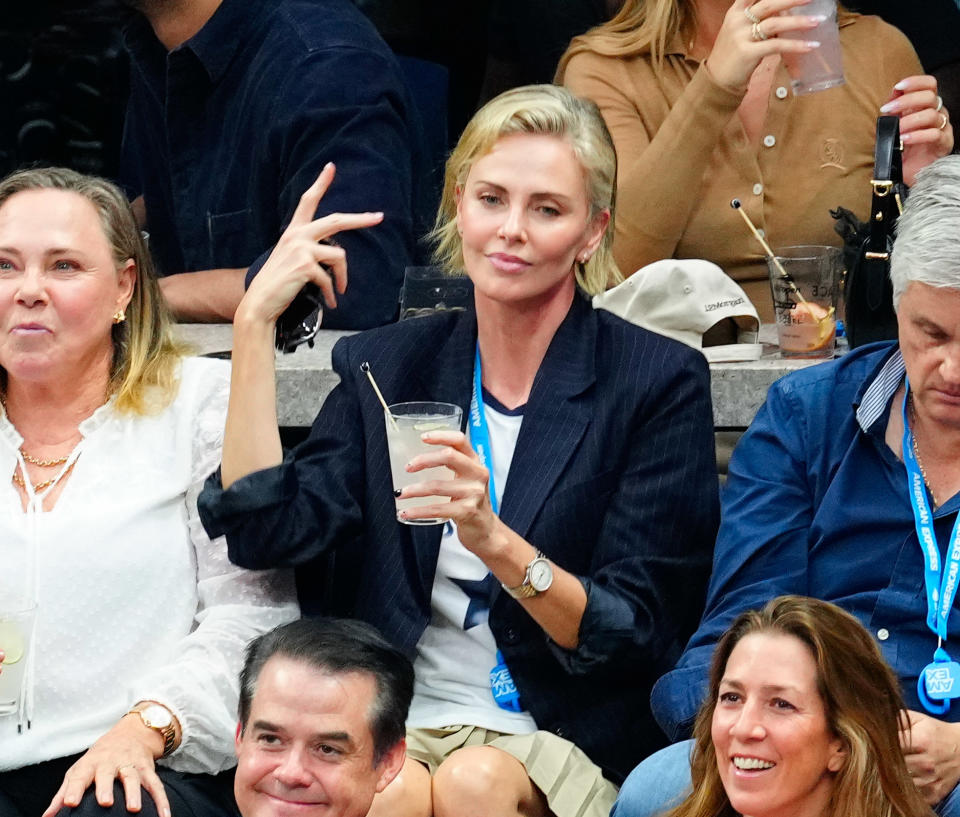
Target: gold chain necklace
916, 453
44, 463
37, 487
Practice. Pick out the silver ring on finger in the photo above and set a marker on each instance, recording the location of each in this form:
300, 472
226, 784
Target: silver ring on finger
943, 121
939, 103
756, 33
748, 13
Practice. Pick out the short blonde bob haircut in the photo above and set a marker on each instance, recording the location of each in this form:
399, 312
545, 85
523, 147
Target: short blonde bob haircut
861, 699
536, 109
146, 358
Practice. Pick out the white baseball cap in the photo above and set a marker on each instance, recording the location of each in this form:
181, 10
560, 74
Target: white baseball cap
682, 299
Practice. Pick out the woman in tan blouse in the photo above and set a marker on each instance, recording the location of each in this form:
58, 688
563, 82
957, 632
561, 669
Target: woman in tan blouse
701, 112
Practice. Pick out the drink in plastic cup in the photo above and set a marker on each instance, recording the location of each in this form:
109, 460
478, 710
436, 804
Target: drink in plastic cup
16, 634
822, 67
404, 443
806, 326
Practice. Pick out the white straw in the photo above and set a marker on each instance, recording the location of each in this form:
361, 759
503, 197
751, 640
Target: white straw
365, 368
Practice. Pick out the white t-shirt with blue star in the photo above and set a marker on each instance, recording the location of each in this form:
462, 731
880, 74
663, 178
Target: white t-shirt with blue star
457, 650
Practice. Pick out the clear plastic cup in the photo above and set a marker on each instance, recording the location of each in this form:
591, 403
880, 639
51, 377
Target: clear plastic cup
805, 301
16, 636
822, 67
410, 420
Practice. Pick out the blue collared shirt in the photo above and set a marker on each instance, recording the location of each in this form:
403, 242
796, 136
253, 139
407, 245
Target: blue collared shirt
816, 504
225, 132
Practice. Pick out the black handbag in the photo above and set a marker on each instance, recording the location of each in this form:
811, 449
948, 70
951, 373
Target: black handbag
868, 293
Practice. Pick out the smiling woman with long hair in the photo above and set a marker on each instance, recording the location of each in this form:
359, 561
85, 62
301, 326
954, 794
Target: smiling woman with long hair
803, 717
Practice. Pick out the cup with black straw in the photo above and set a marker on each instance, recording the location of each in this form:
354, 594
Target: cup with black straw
806, 327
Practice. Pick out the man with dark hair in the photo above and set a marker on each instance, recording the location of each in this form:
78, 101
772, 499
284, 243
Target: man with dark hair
323, 706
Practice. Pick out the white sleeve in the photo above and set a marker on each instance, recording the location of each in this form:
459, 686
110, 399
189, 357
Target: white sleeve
234, 606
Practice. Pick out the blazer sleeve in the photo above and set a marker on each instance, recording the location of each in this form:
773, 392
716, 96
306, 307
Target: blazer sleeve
762, 547
291, 514
652, 555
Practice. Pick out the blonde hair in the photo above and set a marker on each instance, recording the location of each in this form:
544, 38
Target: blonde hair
862, 703
640, 27
536, 109
143, 374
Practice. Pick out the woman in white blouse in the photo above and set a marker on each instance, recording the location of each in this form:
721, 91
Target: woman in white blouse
106, 435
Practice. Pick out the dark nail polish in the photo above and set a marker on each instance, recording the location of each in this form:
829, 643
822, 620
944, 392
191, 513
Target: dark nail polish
397, 491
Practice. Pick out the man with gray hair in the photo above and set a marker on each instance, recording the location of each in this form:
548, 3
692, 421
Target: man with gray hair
323, 707
847, 468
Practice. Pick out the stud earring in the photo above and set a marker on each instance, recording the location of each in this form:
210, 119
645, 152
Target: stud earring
119, 316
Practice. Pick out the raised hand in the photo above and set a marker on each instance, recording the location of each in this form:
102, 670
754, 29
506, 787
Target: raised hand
302, 254
749, 33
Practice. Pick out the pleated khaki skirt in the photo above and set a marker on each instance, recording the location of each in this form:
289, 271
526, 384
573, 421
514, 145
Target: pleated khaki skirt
573, 784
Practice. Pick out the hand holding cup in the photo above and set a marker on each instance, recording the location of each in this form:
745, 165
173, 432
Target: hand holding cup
750, 32
469, 490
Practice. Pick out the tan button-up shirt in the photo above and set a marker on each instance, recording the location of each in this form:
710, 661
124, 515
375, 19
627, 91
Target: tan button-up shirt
683, 153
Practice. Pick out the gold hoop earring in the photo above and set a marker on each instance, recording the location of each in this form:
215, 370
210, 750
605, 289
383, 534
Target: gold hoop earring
119, 316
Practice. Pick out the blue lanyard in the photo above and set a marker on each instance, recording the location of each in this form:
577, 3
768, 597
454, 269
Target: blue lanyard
935, 685
479, 432
941, 591
504, 691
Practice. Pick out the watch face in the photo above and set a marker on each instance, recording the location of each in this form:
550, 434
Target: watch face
157, 716
541, 574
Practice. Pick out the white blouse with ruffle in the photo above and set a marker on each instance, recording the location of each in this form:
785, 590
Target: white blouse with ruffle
134, 601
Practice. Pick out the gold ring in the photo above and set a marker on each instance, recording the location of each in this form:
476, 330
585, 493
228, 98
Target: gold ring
757, 33
125, 766
943, 121
939, 103
748, 11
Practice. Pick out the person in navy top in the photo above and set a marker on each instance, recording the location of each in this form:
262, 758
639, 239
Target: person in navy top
574, 561
234, 108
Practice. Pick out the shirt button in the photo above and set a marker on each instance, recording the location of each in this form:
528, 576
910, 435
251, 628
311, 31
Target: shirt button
883, 634
757, 189
769, 140
781, 92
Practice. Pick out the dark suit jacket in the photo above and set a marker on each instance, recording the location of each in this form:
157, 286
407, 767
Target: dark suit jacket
613, 477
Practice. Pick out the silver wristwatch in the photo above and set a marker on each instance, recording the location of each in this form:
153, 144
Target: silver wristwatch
538, 579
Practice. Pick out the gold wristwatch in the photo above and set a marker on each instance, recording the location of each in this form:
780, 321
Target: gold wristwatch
157, 717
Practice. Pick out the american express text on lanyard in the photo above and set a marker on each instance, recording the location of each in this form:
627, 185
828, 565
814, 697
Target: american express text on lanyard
502, 688
939, 682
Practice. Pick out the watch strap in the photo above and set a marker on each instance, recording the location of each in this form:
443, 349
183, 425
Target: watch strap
168, 732
525, 590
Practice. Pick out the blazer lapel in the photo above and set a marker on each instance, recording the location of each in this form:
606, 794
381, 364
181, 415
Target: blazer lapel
555, 419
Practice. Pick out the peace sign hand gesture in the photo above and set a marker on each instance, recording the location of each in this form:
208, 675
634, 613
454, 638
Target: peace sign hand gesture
303, 255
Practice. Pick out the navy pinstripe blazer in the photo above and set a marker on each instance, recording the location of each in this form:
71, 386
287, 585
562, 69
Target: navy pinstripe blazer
613, 477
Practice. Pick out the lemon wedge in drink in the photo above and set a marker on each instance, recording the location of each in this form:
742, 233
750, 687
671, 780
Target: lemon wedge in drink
11, 641
826, 325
